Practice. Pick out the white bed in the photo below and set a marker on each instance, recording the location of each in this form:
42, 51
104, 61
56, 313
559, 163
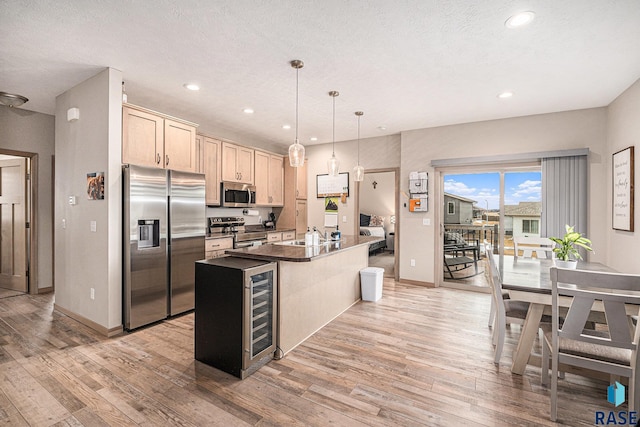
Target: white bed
377, 231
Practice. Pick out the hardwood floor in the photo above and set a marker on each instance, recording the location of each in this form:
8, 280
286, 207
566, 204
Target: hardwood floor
417, 357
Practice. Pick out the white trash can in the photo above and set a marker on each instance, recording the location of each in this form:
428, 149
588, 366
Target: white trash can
371, 283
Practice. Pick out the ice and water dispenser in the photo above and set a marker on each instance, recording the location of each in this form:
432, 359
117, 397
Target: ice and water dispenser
148, 233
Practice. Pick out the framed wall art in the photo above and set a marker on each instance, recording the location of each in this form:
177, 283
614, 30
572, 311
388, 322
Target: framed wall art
622, 183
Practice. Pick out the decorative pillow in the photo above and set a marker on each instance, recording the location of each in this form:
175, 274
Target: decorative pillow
365, 232
376, 221
364, 220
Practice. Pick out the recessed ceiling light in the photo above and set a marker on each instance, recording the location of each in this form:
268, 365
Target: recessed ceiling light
520, 19
313, 138
192, 86
504, 95
286, 127
382, 127
248, 110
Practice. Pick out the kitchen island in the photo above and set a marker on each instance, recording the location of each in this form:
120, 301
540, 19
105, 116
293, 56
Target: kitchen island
315, 283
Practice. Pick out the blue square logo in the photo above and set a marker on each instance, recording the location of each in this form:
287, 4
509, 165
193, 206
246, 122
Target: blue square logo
615, 394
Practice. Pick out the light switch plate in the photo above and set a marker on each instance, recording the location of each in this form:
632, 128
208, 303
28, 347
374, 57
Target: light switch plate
93, 226
426, 221
344, 218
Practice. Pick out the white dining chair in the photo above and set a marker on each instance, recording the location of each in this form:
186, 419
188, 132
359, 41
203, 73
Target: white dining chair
613, 350
507, 311
542, 246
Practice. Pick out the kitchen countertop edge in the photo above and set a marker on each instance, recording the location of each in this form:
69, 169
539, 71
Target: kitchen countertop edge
278, 252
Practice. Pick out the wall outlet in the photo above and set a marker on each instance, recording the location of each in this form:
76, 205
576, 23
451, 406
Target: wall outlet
64, 223
93, 293
426, 221
413, 262
93, 226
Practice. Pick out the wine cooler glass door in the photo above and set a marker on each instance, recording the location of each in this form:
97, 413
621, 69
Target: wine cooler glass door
260, 308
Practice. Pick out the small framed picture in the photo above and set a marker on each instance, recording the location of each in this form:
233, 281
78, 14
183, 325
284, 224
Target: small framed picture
622, 183
95, 186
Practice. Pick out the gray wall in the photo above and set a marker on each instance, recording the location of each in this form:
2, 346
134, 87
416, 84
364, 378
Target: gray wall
623, 130
32, 132
555, 131
375, 153
86, 259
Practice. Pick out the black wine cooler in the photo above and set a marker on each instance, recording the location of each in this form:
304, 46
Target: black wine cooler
235, 316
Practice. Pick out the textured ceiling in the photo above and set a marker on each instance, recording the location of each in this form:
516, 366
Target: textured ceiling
408, 64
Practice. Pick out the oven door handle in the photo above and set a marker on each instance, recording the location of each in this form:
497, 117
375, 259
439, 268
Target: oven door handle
249, 243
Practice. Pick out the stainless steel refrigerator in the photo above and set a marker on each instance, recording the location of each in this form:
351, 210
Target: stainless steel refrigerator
164, 223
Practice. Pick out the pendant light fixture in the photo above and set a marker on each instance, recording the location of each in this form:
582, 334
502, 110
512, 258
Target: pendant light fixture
358, 171
296, 150
333, 165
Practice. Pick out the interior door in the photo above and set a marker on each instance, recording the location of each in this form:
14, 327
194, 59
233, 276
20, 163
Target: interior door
13, 230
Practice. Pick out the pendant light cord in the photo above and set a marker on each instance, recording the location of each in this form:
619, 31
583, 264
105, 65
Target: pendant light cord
358, 140
297, 72
333, 148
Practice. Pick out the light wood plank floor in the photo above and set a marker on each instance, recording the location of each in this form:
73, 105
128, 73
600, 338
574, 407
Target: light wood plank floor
417, 357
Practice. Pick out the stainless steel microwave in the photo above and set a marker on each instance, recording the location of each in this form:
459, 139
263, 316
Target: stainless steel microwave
236, 195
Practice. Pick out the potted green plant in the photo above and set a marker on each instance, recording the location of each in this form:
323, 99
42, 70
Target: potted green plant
567, 254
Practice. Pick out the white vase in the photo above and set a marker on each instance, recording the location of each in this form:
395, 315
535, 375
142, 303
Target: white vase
571, 264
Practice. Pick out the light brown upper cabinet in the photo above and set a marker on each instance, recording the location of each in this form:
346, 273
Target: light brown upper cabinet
150, 139
301, 182
294, 211
211, 156
269, 178
237, 163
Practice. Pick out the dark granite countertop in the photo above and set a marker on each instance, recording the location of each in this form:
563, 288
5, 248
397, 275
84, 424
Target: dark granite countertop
295, 253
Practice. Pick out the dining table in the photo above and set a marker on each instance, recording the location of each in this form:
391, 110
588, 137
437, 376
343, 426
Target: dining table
529, 280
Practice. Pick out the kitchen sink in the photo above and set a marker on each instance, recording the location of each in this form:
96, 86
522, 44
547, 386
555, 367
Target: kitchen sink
290, 243
297, 243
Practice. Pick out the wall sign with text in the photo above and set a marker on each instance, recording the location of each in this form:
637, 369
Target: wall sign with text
622, 182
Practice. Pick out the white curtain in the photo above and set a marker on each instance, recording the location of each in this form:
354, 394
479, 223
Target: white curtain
564, 195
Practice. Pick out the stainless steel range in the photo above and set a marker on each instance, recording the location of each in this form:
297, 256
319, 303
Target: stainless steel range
243, 235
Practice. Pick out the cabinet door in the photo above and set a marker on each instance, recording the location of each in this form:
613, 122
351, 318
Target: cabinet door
229, 156
263, 196
301, 181
212, 156
179, 146
199, 153
244, 165
276, 180
301, 216
142, 138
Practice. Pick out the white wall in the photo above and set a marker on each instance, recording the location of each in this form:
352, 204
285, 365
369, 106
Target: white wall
555, 131
86, 259
32, 132
379, 200
375, 153
623, 130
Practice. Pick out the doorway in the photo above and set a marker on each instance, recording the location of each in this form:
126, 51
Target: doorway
17, 249
377, 216
481, 207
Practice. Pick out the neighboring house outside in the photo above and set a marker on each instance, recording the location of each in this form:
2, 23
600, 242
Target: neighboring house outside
457, 209
523, 219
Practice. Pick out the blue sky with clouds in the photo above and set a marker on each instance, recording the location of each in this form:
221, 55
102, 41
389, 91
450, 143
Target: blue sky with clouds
485, 187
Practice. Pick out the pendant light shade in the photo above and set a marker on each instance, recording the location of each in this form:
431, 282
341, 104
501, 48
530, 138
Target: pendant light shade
358, 171
296, 150
333, 165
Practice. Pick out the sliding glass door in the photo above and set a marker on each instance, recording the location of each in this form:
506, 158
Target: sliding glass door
485, 208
